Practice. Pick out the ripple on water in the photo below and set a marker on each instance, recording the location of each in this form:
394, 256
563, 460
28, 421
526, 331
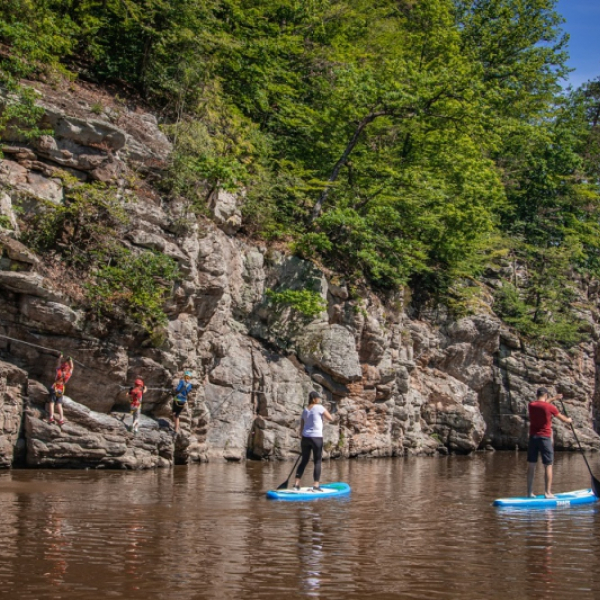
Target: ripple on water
417, 528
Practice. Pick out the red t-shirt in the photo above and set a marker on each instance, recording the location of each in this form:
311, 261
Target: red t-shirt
540, 418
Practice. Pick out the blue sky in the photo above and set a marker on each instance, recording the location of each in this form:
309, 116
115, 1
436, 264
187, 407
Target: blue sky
583, 26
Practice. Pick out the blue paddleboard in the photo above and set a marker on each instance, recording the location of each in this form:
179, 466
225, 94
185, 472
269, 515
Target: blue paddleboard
328, 490
561, 501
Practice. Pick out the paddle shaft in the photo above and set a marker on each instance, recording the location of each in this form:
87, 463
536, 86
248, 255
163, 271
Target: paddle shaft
285, 483
576, 438
595, 482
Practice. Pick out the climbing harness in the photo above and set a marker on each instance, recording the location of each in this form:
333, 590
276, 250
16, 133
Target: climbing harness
183, 391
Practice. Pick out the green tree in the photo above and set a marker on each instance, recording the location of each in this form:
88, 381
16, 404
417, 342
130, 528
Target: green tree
400, 142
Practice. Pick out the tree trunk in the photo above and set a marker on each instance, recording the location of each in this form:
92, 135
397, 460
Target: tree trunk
344, 159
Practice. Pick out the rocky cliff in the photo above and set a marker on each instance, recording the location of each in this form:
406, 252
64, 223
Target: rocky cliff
397, 385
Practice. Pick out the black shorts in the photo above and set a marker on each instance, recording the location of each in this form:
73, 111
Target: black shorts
54, 397
540, 445
178, 407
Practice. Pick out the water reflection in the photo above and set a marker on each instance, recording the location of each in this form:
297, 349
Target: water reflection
418, 528
310, 546
54, 547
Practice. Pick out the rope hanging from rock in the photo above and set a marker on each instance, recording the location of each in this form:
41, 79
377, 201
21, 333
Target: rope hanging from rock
57, 352
150, 389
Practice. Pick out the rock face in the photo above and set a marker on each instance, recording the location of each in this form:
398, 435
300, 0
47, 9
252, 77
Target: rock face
396, 385
92, 439
13, 382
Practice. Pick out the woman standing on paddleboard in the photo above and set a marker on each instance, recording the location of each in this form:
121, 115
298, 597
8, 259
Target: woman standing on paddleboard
311, 425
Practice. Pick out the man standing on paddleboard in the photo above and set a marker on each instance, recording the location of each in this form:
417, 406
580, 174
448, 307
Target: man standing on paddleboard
541, 412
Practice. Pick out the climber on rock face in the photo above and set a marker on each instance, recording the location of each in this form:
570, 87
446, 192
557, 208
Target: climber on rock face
64, 370
136, 393
182, 391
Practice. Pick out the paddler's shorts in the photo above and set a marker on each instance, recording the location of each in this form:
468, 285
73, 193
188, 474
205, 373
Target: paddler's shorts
178, 407
54, 397
540, 445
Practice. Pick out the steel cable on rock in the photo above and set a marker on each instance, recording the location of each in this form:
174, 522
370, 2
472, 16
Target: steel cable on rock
50, 350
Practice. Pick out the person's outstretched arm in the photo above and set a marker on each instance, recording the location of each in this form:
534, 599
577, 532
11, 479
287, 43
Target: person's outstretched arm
564, 419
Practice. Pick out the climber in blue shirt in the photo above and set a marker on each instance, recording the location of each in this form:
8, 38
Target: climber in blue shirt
182, 392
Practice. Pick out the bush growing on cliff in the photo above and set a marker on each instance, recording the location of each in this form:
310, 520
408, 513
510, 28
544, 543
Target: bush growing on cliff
85, 232
307, 302
207, 158
79, 228
137, 284
541, 320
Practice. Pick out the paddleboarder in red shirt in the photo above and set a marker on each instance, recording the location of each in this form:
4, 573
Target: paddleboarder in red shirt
541, 412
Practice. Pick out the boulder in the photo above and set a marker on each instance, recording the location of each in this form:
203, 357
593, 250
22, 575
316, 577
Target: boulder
452, 413
86, 132
6, 211
13, 383
17, 252
29, 283
52, 317
30, 183
226, 211
331, 348
91, 439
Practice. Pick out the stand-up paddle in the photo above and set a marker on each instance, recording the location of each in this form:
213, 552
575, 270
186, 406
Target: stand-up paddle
595, 482
285, 484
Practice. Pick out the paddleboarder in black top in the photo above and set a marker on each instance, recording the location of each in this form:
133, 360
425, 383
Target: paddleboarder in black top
541, 412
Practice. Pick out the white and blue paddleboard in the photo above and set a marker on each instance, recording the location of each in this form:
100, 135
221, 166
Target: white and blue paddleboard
328, 490
560, 501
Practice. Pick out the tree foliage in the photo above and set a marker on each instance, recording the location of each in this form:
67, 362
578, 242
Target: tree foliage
86, 233
402, 142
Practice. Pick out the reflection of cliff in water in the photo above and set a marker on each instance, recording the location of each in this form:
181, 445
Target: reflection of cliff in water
423, 528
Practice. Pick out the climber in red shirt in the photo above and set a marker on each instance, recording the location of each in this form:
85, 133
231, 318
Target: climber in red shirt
541, 412
136, 393
64, 370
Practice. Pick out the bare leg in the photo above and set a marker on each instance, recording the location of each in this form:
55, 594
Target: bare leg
548, 481
136, 418
176, 422
59, 410
51, 411
530, 478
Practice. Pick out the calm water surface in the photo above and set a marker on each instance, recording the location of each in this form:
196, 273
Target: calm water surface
414, 528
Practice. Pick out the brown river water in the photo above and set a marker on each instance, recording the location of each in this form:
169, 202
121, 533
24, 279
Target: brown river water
412, 528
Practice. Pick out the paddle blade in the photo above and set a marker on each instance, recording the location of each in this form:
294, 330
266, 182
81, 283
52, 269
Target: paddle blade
284, 485
596, 487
